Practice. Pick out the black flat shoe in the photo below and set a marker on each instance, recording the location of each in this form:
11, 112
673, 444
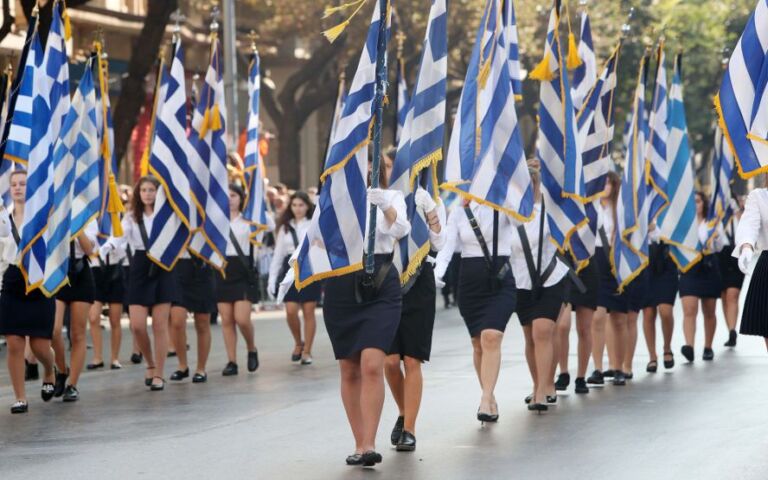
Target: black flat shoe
171, 354
551, 399
32, 371
71, 394
136, 358
148, 381
629, 376
155, 387
46, 392
397, 430
94, 366
732, 335
306, 360
596, 378
671, 362
687, 352
528, 399
200, 378
407, 442
709, 355
19, 407
60, 384
355, 459
563, 380
609, 373
537, 407
230, 369
115, 366
581, 386
370, 458
296, 357
179, 375
619, 379
652, 366
253, 361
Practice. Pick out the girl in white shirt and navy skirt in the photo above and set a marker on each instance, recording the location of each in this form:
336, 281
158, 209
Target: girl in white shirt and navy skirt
151, 289
238, 290
291, 228
109, 280
702, 283
23, 314
733, 279
362, 316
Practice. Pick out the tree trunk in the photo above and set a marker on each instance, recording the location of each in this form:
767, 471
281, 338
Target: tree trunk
289, 153
132, 92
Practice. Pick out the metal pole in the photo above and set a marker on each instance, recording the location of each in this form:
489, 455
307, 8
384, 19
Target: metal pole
230, 68
378, 102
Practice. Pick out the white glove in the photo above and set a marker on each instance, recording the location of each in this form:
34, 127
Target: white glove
745, 258
105, 250
439, 283
272, 290
424, 200
378, 197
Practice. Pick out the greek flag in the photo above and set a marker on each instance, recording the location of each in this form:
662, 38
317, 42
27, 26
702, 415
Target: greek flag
629, 254
486, 160
562, 178
657, 168
50, 104
211, 181
6, 166
341, 99
742, 103
421, 145
169, 162
721, 208
678, 222
585, 75
596, 124
513, 48
333, 245
18, 134
403, 100
255, 205
75, 183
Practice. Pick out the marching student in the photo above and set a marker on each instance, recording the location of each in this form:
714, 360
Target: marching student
239, 289
702, 283
752, 237
196, 283
362, 320
413, 343
291, 227
77, 297
486, 289
660, 299
733, 278
151, 289
23, 315
109, 281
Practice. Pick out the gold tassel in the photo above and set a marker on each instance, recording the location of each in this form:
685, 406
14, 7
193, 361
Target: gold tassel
574, 61
335, 32
543, 72
483, 74
144, 165
205, 123
330, 10
215, 118
115, 207
67, 24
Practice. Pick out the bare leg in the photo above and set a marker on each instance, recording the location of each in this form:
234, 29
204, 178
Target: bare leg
414, 384
161, 316
351, 385
78, 321
371, 394
59, 349
15, 360
227, 314
708, 306
731, 307
179, 335
138, 317
203, 330
116, 331
477, 358
690, 312
542, 331
294, 324
610, 339
561, 338
530, 355
396, 381
631, 339
618, 323
310, 327
242, 312
490, 341
584, 331
666, 312
41, 349
598, 337
94, 319
649, 331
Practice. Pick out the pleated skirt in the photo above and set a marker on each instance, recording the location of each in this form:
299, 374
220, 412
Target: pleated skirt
417, 320
22, 314
481, 306
754, 320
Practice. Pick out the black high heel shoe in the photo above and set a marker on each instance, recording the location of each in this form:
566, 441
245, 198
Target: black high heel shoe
370, 458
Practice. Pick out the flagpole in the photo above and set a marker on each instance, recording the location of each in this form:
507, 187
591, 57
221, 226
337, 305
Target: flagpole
381, 85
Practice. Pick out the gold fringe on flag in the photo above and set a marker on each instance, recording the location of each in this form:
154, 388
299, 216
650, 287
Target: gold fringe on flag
574, 61
543, 71
67, 23
330, 10
215, 120
205, 123
335, 32
115, 207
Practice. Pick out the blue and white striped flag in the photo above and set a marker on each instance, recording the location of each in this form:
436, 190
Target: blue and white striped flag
255, 211
75, 183
338, 110
209, 139
19, 134
585, 75
486, 161
678, 222
169, 162
333, 245
50, 104
6, 166
742, 103
722, 206
421, 145
403, 99
629, 254
562, 174
657, 168
513, 48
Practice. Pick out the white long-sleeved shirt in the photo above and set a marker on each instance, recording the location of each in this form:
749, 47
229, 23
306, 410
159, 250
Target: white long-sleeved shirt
284, 246
605, 220
10, 248
753, 226
386, 234
241, 230
717, 241
91, 232
520, 269
438, 240
131, 233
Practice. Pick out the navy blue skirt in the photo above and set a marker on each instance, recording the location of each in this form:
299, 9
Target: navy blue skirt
703, 280
482, 305
636, 291
238, 284
110, 283
417, 320
590, 277
22, 314
195, 280
754, 320
148, 284
662, 277
81, 287
729, 269
608, 296
373, 323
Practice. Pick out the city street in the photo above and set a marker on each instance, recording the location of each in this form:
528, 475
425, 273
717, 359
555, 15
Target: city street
703, 421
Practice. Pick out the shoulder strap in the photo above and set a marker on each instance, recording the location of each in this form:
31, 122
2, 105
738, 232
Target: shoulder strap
534, 269
15, 231
479, 235
143, 232
72, 256
239, 250
495, 236
295, 237
129, 253
606, 243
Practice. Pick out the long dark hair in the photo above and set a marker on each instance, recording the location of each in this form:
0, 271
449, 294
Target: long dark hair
240, 193
704, 203
287, 214
137, 206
